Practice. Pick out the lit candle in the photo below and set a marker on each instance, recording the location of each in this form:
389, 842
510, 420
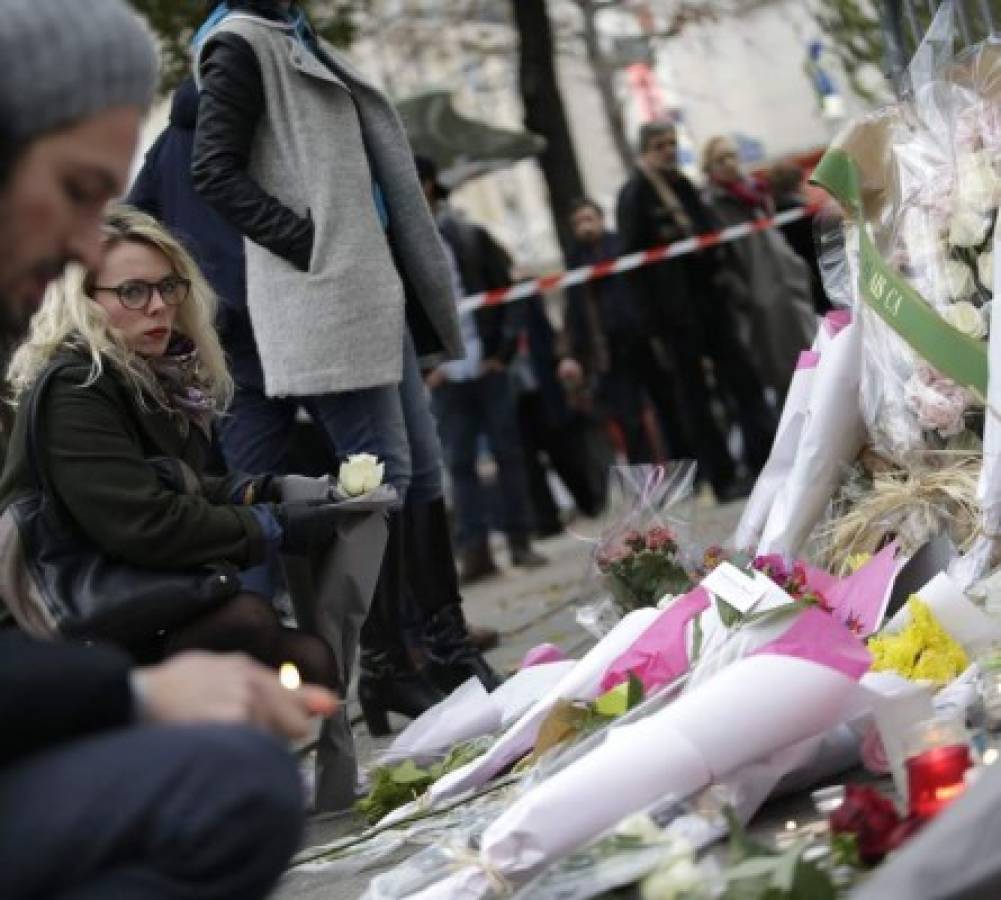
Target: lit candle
289, 676
935, 778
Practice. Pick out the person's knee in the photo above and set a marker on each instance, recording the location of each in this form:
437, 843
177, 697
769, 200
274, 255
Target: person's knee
254, 779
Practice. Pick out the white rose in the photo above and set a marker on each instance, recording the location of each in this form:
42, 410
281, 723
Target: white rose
681, 878
968, 227
985, 269
361, 473
958, 279
977, 184
965, 317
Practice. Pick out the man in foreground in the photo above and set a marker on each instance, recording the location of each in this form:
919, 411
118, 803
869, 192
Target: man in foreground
115, 781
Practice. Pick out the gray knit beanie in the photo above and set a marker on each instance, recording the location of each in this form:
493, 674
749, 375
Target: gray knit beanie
64, 60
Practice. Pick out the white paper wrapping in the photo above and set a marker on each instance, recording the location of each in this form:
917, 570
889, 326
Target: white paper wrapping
968, 624
580, 683
468, 712
833, 435
758, 707
780, 460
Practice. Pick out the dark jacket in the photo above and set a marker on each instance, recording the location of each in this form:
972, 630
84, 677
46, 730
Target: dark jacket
620, 324
53, 693
484, 265
799, 234
114, 467
164, 189
676, 292
227, 119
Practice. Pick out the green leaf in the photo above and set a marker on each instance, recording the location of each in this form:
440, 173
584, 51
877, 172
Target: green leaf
729, 615
636, 693
407, 772
613, 703
697, 638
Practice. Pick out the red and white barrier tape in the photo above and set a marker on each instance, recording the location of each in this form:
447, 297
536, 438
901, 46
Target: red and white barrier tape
559, 280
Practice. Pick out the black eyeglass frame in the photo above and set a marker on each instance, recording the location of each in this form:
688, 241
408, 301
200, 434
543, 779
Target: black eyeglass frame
150, 287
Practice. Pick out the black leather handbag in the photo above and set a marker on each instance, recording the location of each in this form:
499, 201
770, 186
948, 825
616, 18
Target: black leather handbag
57, 583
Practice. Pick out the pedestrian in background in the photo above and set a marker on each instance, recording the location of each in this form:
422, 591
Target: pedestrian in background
607, 346
687, 304
787, 188
473, 398
775, 297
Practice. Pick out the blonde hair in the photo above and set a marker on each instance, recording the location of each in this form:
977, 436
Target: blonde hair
70, 318
710, 150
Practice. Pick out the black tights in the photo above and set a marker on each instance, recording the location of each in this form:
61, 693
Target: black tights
249, 624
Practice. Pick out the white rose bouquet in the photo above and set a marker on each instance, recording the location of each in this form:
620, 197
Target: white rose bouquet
928, 191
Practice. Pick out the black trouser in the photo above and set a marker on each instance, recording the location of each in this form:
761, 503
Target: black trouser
635, 373
197, 812
707, 329
561, 444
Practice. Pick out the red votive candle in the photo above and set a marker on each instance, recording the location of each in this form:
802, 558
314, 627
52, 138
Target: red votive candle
935, 778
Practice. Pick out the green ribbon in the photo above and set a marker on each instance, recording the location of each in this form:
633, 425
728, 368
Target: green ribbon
954, 354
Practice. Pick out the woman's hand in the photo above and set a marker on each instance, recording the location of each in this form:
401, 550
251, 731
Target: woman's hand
307, 527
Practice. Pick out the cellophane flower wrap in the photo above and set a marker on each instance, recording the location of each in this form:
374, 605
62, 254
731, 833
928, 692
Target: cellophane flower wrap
921, 200
640, 556
929, 188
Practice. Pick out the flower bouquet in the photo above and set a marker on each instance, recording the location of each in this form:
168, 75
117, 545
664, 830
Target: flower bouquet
921, 187
639, 558
642, 568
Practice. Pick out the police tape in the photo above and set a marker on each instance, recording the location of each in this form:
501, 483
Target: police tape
558, 280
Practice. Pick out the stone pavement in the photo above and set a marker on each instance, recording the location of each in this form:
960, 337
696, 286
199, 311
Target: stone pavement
529, 608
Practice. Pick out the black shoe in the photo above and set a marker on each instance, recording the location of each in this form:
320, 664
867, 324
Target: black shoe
476, 563
386, 687
523, 556
549, 529
738, 489
452, 657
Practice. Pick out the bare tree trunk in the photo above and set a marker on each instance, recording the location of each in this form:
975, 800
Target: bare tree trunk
604, 78
544, 112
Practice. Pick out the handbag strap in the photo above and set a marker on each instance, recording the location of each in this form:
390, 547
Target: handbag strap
34, 427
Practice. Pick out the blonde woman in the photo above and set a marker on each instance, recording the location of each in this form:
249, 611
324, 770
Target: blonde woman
126, 424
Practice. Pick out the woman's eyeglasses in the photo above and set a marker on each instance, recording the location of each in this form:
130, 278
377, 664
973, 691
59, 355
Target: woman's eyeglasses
136, 294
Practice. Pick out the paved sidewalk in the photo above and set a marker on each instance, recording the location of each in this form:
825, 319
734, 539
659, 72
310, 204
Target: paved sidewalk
529, 608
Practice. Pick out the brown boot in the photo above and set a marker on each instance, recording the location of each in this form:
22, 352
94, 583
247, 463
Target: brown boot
476, 563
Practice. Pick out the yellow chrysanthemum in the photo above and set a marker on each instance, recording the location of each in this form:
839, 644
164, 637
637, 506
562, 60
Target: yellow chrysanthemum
856, 560
924, 650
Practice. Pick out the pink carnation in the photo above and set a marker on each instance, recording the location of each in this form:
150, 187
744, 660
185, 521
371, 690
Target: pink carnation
938, 403
659, 538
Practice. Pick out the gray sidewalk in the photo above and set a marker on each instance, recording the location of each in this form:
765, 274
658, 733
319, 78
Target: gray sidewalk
529, 608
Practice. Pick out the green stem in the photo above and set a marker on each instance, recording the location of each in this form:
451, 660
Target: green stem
331, 853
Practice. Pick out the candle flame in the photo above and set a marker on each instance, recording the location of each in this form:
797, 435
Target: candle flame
991, 757
289, 676
791, 825
949, 791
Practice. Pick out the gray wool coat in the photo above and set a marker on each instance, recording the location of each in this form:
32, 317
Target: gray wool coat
339, 326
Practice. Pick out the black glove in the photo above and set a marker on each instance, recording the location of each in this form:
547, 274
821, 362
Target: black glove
307, 527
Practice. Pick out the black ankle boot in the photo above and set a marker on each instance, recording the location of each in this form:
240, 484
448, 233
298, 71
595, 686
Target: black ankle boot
452, 657
387, 685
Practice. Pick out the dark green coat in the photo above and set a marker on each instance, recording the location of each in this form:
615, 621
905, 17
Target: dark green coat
106, 458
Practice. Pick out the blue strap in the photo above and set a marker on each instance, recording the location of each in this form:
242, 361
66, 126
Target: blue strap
215, 17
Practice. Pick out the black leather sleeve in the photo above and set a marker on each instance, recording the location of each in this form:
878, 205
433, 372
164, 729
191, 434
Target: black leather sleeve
229, 109
52, 693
